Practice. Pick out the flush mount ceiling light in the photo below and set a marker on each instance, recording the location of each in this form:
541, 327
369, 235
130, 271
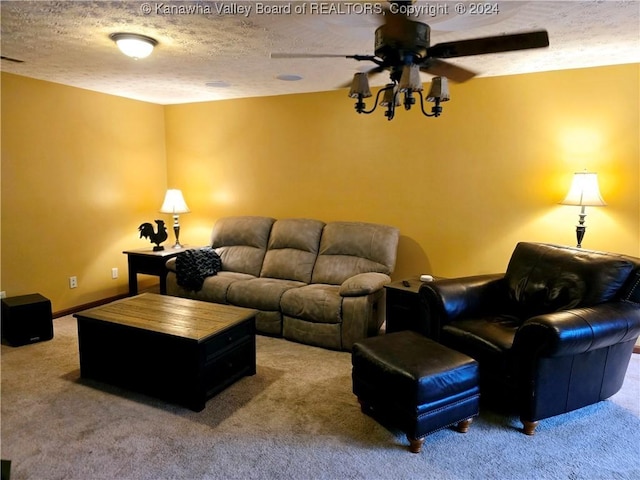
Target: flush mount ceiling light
134, 45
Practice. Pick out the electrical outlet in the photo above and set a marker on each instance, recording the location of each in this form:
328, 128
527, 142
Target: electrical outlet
73, 282
3, 294
114, 273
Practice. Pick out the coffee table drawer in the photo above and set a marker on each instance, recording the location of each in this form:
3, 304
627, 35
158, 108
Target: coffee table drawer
228, 339
225, 369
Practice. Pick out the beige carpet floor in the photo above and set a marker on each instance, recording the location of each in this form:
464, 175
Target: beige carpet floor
295, 419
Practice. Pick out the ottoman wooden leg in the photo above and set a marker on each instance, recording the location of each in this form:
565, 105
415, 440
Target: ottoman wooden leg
529, 427
415, 444
463, 426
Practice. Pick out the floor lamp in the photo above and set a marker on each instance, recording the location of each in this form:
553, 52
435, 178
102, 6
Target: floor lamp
175, 205
584, 192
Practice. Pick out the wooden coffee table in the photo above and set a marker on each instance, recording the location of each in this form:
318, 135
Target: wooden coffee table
177, 349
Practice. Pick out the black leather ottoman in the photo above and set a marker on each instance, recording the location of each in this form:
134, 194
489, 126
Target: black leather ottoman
416, 384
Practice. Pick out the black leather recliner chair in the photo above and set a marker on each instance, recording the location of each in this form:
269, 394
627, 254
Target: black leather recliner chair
553, 334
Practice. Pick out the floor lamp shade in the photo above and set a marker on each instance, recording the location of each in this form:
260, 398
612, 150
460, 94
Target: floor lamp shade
174, 204
584, 191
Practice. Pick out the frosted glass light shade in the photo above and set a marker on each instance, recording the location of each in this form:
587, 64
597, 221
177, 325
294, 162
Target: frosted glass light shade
174, 203
134, 45
584, 191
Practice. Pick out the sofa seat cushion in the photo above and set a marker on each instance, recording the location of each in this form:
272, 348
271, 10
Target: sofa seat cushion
492, 333
545, 278
214, 289
260, 293
488, 340
317, 303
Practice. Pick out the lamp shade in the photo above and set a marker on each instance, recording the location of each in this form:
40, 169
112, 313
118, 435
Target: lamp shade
584, 191
410, 80
174, 203
439, 90
134, 45
360, 86
390, 96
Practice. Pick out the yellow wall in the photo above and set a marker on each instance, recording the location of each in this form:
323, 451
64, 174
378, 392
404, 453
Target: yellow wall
81, 171
463, 189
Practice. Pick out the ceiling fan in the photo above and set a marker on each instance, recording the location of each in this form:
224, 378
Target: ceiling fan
402, 46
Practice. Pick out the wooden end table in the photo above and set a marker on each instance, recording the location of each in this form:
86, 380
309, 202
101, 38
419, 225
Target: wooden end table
404, 311
181, 350
148, 262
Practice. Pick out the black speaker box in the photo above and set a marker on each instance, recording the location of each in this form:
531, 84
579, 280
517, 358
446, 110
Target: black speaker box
26, 319
6, 469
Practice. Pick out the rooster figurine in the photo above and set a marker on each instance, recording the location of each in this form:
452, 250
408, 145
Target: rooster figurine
146, 230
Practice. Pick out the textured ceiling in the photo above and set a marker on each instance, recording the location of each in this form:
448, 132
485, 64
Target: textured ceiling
211, 50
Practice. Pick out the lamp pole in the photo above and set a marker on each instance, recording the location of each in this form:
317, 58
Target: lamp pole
580, 228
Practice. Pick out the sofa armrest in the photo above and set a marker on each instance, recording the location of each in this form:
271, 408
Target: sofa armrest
465, 296
364, 284
579, 330
445, 300
171, 264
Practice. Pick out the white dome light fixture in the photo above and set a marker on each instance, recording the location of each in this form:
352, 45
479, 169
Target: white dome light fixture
134, 45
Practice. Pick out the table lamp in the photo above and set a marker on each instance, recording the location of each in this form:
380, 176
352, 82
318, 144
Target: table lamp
175, 205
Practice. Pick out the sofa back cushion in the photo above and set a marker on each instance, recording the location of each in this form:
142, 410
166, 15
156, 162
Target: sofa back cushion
241, 242
544, 278
349, 248
292, 249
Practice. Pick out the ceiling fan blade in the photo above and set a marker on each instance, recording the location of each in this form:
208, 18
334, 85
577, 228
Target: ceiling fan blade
14, 60
370, 73
308, 55
480, 46
370, 58
453, 72
376, 71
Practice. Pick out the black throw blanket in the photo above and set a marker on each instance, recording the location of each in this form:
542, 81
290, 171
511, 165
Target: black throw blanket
193, 266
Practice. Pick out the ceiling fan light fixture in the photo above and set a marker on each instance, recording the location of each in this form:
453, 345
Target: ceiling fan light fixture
439, 90
134, 45
360, 86
410, 79
403, 47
